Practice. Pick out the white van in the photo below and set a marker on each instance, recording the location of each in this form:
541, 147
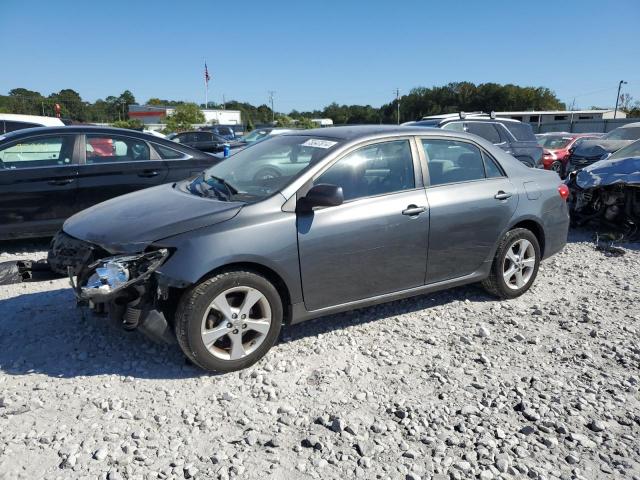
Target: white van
11, 121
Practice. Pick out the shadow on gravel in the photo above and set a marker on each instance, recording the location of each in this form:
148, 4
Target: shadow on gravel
44, 333
19, 247
371, 314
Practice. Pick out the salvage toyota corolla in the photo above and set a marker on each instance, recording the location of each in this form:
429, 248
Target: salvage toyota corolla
307, 224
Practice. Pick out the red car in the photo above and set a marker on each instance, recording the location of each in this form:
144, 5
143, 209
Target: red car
556, 149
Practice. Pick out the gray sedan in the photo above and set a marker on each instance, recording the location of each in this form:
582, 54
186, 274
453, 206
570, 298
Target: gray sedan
308, 224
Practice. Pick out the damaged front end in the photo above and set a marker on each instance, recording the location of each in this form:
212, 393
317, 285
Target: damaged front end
126, 288
606, 195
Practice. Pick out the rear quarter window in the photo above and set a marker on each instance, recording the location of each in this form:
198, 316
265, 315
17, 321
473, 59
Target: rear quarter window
521, 131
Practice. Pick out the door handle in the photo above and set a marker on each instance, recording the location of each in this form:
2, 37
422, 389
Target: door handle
148, 174
502, 195
61, 182
413, 210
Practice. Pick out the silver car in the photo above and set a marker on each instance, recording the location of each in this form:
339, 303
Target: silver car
347, 217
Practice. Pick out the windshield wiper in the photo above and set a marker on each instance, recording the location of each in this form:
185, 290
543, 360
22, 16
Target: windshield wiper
230, 188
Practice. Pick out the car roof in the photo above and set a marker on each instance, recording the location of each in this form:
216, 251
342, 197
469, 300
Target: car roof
630, 125
76, 129
45, 121
362, 132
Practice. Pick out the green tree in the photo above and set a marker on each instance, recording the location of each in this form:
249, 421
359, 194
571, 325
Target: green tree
132, 123
183, 118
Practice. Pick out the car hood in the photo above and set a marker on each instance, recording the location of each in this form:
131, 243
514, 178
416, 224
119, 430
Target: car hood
624, 171
597, 148
129, 223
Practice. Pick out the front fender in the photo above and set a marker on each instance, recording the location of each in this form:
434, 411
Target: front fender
271, 243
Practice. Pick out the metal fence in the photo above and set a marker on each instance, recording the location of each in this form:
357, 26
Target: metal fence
582, 126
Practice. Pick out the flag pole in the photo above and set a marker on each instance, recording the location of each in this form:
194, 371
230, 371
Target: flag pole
206, 87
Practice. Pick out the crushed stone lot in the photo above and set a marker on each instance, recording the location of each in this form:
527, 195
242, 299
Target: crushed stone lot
448, 385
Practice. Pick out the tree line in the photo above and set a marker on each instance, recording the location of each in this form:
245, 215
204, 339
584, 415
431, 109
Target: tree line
419, 102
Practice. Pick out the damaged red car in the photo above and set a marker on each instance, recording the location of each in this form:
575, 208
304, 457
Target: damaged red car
557, 148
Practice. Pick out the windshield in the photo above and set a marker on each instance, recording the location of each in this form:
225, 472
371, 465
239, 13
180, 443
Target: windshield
262, 169
632, 150
554, 142
255, 135
620, 133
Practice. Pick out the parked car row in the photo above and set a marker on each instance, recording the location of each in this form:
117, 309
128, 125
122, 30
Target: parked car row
567, 152
557, 147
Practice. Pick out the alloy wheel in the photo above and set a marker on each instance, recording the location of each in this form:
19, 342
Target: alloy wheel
519, 264
236, 323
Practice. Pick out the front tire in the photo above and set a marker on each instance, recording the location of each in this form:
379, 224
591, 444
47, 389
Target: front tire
229, 321
515, 265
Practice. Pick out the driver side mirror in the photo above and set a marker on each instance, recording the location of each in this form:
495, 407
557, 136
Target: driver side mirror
321, 195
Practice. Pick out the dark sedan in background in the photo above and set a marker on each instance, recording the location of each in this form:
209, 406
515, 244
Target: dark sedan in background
49, 173
204, 141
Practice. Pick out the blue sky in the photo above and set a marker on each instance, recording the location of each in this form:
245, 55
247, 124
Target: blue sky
313, 53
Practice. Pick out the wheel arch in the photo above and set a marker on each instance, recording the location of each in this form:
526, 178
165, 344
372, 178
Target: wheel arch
535, 227
271, 275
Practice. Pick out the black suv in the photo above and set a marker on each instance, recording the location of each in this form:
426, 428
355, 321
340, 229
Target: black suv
512, 136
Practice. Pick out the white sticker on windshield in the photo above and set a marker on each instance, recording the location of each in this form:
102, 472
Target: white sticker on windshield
317, 143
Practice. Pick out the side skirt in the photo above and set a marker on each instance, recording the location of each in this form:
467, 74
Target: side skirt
301, 314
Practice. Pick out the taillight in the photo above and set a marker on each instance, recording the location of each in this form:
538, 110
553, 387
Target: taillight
563, 190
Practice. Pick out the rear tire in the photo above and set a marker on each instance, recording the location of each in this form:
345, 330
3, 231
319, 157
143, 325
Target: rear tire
229, 321
557, 167
515, 265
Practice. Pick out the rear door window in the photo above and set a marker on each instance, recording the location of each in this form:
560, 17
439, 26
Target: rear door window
452, 161
167, 153
522, 131
485, 130
491, 167
113, 148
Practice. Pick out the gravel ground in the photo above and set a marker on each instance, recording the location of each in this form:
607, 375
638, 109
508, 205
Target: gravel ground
448, 385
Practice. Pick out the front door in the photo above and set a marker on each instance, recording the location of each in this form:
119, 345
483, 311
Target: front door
376, 241
115, 165
471, 202
38, 184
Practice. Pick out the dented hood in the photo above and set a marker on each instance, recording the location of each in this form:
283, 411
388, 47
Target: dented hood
129, 223
625, 171
598, 147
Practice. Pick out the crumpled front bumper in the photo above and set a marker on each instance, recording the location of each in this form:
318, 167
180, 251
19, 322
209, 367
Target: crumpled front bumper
135, 304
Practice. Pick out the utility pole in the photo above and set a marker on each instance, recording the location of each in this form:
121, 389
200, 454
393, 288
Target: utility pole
224, 102
573, 104
615, 112
398, 103
273, 113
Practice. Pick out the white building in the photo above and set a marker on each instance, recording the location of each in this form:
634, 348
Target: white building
155, 114
545, 116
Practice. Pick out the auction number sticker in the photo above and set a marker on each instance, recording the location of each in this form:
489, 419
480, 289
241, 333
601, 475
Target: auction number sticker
317, 143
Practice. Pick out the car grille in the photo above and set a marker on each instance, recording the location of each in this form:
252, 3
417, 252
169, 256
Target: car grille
67, 251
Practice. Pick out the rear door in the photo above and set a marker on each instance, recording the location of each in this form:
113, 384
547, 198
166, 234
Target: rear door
112, 165
471, 202
38, 184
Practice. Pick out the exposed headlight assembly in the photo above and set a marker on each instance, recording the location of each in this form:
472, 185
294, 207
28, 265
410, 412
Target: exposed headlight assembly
113, 274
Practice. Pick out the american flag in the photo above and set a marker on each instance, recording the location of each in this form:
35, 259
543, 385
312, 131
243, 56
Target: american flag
206, 73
